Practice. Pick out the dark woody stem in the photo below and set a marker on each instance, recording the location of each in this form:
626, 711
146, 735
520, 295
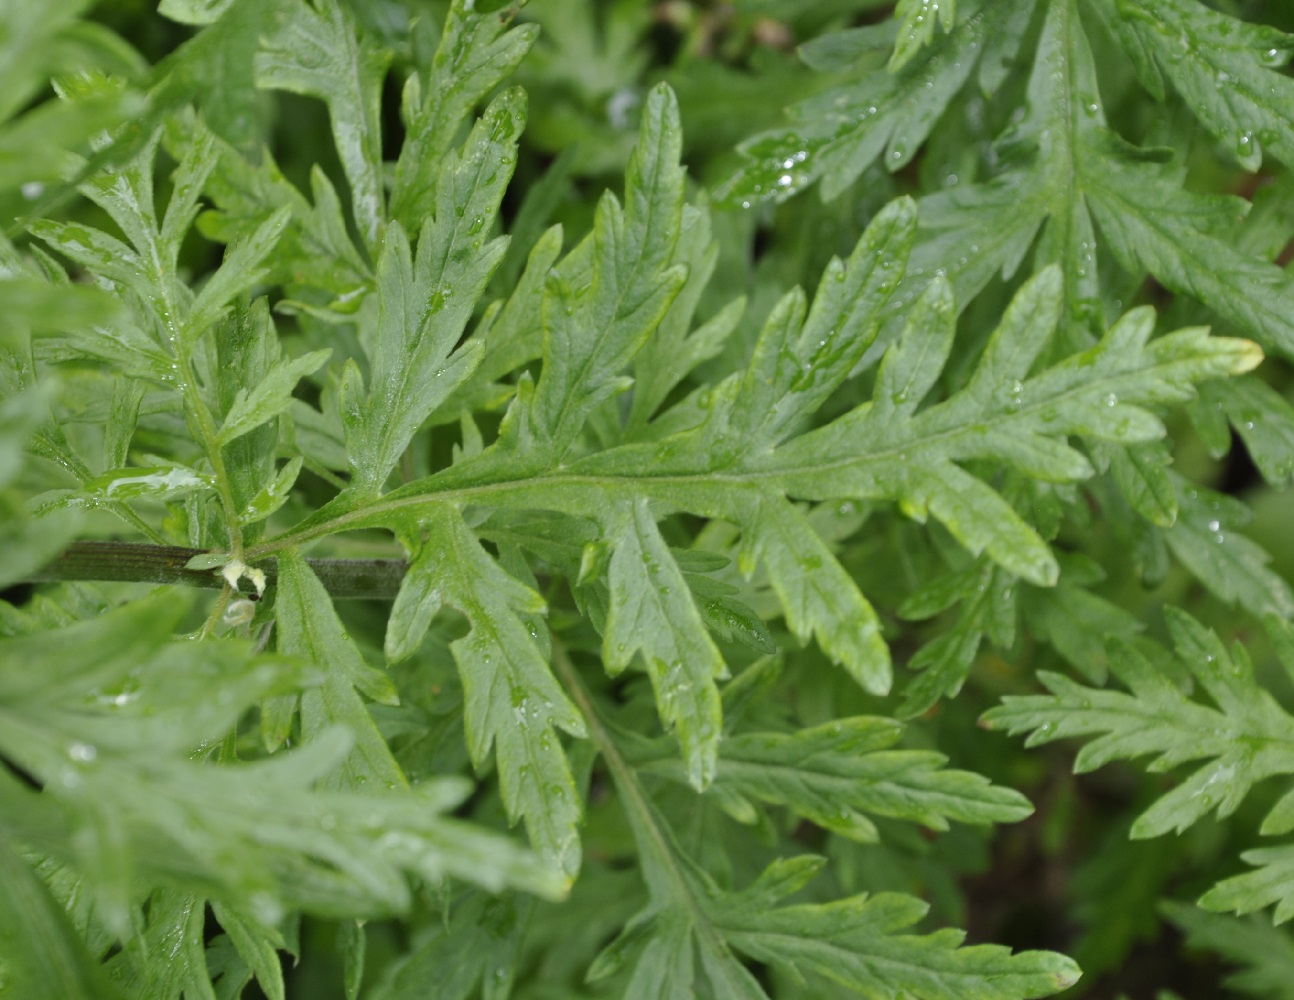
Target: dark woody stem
133, 562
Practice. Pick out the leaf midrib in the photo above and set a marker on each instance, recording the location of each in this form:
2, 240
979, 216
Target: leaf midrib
498, 491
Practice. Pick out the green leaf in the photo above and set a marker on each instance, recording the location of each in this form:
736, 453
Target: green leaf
1265, 955
591, 333
840, 132
653, 613
479, 943
675, 348
1005, 415
175, 927
27, 50
1262, 418
1158, 229
1077, 622
310, 628
799, 361
259, 946
122, 421
27, 547
512, 701
1244, 739
316, 51
59, 662
626, 442
92, 248
986, 595
1039, 177
474, 55
316, 250
1225, 70
43, 955
57, 307
1142, 477
817, 595
247, 354
273, 495
154, 483
125, 803
1206, 541
917, 27
505, 334
214, 70
689, 935
1271, 882
193, 11
148, 263
149, 693
847, 941
728, 617
425, 302
871, 453
240, 272
352, 942
270, 397
839, 773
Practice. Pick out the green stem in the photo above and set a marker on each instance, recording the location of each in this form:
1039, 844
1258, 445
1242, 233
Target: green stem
206, 424
378, 579
654, 843
218, 609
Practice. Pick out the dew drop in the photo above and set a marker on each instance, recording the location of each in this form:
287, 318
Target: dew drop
83, 752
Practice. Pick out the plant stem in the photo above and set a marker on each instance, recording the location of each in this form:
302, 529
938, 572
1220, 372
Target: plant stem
642, 815
655, 844
378, 579
181, 348
218, 609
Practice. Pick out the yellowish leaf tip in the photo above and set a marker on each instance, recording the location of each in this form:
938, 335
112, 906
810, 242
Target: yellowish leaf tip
1248, 357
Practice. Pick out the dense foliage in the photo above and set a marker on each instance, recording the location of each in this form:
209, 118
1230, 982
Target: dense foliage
640, 463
